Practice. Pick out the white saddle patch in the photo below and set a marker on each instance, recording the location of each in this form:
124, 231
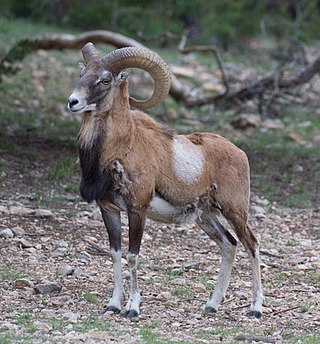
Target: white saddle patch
188, 160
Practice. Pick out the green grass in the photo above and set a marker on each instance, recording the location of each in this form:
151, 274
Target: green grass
11, 272
150, 337
182, 292
57, 324
26, 320
90, 323
15, 338
305, 339
91, 298
63, 169
274, 160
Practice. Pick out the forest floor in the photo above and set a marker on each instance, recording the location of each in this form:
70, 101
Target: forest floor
59, 240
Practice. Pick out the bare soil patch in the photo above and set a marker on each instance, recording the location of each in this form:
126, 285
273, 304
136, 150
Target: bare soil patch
178, 269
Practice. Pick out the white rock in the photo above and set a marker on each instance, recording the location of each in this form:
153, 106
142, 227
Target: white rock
18, 231
255, 209
6, 233
178, 281
43, 213
41, 326
71, 316
21, 211
65, 270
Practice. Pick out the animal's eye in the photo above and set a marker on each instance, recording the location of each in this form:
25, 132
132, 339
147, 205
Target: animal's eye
105, 82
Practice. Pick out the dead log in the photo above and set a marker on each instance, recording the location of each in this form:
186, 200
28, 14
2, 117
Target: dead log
261, 86
68, 41
256, 89
178, 92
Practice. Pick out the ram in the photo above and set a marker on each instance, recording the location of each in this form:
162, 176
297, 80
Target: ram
130, 163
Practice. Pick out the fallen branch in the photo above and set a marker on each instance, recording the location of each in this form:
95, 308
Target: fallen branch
257, 89
261, 86
67, 41
205, 48
285, 310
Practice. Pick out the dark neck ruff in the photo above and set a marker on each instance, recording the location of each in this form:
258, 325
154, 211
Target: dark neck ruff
95, 183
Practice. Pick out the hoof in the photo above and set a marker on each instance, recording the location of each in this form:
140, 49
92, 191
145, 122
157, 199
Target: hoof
210, 310
113, 309
131, 314
255, 314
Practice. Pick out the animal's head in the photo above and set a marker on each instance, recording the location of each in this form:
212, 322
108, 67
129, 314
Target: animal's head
101, 77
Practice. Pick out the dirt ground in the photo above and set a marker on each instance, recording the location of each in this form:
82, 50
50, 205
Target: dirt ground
178, 269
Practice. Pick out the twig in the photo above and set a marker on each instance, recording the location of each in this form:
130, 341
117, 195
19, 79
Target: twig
205, 48
285, 310
243, 306
266, 253
96, 249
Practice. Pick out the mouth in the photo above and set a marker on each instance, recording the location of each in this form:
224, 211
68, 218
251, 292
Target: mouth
85, 108
77, 110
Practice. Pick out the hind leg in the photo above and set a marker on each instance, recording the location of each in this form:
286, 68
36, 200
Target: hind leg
251, 245
227, 244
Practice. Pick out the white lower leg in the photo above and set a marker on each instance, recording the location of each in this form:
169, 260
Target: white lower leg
257, 302
218, 295
118, 291
132, 307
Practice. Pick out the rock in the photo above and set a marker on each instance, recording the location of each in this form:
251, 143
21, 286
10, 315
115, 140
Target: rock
84, 256
24, 243
23, 283
186, 72
78, 272
200, 287
65, 270
72, 317
165, 295
18, 231
178, 281
297, 168
47, 288
190, 265
99, 337
296, 138
6, 233
20, 211
273, 124
240, 294
260, 201
246, 121
43, 327
255, 209
43, 213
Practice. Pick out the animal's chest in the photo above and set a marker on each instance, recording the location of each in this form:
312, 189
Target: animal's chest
101, 183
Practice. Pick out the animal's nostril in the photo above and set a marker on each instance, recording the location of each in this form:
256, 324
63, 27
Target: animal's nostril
73, 102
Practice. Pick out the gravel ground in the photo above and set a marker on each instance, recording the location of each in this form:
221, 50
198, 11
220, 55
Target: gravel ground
68, 252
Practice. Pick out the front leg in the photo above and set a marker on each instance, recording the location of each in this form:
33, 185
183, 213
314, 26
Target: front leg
136, 226
112, 221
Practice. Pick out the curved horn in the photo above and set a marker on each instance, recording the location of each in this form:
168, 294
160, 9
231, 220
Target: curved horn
89, 53
147, 60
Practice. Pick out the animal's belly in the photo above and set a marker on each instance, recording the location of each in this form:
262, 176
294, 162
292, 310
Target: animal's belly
159, 210
162, 211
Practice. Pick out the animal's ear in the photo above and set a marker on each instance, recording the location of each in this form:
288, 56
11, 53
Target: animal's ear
122, 76
82, 66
